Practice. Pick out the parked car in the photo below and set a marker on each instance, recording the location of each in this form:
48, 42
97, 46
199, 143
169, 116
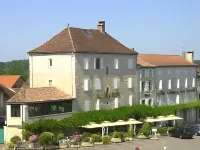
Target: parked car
181, 132
196, 129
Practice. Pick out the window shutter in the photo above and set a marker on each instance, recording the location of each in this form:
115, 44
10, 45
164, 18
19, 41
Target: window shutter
178, 83
86, 63
87, 105
101, 63
177, 99
193, 82
130, 100
130, 82
94, 63
130, 63
97, 84
160, 85
140, 86
186, 84
169, 83
86, 84
116, 64
116, 102
98, 104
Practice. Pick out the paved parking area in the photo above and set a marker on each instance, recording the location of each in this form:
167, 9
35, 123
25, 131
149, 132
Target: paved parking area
170, 142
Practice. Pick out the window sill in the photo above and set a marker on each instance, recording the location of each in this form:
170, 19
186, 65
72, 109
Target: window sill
49, 115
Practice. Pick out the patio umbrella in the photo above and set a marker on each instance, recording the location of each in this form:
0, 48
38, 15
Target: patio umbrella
92, 125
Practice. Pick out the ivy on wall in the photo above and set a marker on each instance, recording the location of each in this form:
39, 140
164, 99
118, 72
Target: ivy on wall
123, 113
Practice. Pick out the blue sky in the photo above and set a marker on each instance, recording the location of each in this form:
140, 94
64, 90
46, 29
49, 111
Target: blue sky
149, 26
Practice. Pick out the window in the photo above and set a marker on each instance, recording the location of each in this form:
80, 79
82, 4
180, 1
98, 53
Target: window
177, 99
142, 102
86, 32
130, 100
49, 108
86, 63
86, 84
130, 63
160, 85
186, 84
116, 102
142, 73
98, 63
97, 84
116, 82
150, 73
147, 86
87, 105
193, 82
169, 84
130, 82
147, 73
107, 70
116, 63
98, 104
15, 111
50, 83
107, 90
150, 102
178, 83
50, 62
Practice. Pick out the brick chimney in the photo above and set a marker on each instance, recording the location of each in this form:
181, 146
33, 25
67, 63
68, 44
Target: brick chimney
101, 26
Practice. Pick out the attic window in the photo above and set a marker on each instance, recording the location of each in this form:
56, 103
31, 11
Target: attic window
87, 32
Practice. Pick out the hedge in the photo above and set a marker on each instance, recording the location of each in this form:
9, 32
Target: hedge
123, 113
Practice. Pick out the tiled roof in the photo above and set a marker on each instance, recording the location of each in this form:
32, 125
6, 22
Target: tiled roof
39, 95
9, 80
75, 40
156, 60
9, 92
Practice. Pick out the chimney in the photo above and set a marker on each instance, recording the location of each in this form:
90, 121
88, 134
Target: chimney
190, 56
101, 26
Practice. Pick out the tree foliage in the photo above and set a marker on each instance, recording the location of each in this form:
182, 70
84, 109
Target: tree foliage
15, 67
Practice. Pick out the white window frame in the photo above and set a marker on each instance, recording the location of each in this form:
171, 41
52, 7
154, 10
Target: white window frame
116, 102
178, 83
116, 63
86, 63
177, 99
140, 86
86, 105
146, 86
170, 84
98, 104
130, 82
97, 81
86, 84
160, 85
130, 63
116, 83
193, 82
50, 83
130, 98
186, 83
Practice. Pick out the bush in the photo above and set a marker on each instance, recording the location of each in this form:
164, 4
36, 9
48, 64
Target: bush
86, 134
10, 145
60, 136
106, 140
74, 142
146, 129
46, 139
15, 139
162, 130
116, 134
86, 139
26, 134
96, 138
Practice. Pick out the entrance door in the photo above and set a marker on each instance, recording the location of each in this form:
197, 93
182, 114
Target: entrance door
1, 135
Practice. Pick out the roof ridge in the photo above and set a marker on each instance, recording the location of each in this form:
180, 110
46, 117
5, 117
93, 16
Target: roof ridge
161, 54
70, 36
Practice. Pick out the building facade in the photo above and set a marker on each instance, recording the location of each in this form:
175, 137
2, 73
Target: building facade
167, 80
90, 65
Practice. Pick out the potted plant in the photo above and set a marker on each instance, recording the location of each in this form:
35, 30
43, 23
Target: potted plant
106, 140
75, 141
46, 140
96, 139
116, 137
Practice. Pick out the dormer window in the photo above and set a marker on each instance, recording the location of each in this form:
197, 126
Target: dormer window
86, 32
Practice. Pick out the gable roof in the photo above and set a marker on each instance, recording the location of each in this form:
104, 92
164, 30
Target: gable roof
156, 60
7, 91
76, 40
9, 80
41, 94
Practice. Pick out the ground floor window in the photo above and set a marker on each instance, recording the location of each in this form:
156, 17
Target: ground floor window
142, 102
49, 108
15, 110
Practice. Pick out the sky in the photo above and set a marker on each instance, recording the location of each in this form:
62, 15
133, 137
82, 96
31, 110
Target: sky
148, 26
